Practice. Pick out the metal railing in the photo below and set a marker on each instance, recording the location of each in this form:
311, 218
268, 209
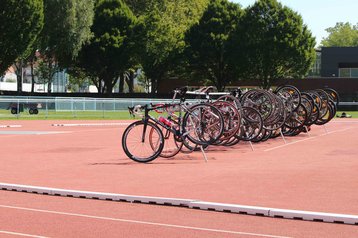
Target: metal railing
52, 107
68, 107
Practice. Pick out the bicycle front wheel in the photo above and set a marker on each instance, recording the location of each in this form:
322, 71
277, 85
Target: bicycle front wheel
142, 142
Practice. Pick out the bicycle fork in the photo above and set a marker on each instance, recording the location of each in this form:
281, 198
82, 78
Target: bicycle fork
144, 129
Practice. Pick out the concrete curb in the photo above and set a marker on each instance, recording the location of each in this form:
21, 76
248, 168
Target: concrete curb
190, 203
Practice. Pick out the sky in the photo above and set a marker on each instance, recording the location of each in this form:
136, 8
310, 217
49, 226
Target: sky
319, 15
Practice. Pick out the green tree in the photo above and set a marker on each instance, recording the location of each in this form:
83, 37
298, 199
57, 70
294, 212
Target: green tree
43, 72
272, 43
207, 43
137, 6
66, 30
20, 24
165, 24
77, 79
342, 34
109, 53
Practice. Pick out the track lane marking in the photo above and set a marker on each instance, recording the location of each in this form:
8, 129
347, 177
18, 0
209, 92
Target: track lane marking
312, 137
344, 121
21, 234
144, 222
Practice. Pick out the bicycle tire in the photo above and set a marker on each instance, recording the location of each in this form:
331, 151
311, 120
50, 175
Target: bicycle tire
135, 130
171, 145
203, 124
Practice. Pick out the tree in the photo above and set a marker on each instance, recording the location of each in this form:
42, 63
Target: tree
207, 43
272, 43
137, 6
28, 58
44, 72
77, 79
109, 53
342, 35
66, 30
21, 23
165, 24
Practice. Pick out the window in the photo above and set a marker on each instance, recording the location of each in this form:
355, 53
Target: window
354, 73
345, 73
348, 72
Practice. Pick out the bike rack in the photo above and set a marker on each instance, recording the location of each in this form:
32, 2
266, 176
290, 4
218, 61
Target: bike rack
204, 154
307, 131
283, 137
252, 147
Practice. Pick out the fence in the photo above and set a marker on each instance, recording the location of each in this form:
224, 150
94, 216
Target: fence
57, 107
89, 108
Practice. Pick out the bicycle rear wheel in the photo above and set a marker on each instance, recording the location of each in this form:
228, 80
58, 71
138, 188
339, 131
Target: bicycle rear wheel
203, 124
251, 124
172, 145
142, 142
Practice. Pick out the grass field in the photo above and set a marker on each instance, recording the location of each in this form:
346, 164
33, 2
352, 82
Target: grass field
354, 114
85, 115
68, 115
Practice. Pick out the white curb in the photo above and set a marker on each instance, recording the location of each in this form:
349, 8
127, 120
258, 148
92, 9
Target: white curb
234, 208
96, 195
190, 203
314, 216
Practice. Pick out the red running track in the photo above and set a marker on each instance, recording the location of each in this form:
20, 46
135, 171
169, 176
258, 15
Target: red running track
313, 173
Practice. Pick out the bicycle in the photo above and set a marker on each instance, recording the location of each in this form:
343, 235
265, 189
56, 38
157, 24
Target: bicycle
143, 140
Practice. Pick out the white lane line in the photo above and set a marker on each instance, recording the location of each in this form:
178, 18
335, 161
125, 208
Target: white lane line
20, 234
290, 143
32, 132
313, 137
144, 222
330, 132
93, 124
344, 121
10, 126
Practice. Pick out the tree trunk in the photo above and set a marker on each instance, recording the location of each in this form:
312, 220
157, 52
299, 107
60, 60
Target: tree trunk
265, 83
130, 81
108, 85
49, 89
19, 76
50, 76
32, 77
121, 83
19, 84
96, 83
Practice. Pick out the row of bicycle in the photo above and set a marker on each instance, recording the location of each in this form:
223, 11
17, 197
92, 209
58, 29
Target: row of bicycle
224, 118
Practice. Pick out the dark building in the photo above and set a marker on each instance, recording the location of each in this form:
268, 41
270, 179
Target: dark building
339, 62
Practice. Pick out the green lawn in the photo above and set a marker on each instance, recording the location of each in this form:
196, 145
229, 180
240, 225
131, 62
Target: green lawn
354, 114
67, 115
86, 115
